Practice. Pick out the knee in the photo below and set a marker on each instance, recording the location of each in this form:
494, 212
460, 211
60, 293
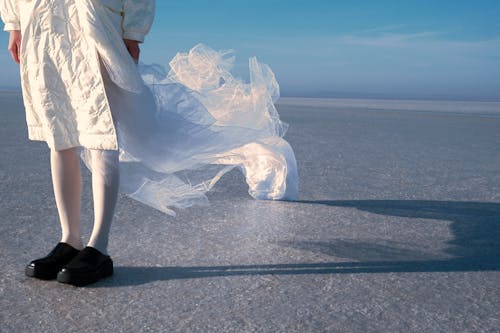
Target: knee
104, 158
64, 153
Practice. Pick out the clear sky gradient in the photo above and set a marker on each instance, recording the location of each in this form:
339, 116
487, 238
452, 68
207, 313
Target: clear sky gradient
430, 49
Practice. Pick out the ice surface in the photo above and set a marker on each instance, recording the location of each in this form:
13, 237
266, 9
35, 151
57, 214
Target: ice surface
397, 229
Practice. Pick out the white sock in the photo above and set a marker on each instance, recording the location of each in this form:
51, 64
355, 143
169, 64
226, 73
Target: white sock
67, 184
105, 185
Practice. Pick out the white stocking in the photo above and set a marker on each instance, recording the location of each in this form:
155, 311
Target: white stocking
67, 184
105, 184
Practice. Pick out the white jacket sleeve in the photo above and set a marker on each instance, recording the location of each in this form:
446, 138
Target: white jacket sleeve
138, 17
9, 10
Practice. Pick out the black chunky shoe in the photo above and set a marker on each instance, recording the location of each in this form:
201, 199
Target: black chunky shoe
89, 266
46, 268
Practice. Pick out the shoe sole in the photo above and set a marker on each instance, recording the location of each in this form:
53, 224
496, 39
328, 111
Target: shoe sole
83, 279
61, 255
34, 273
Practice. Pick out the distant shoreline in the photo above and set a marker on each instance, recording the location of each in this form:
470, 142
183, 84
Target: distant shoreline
394, 104
387, 98
10, 91
448, 106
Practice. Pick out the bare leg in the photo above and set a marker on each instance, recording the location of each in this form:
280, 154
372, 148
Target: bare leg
67, 183
105, 184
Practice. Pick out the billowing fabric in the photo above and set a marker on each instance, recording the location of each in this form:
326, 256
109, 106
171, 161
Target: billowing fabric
191, 125
178, 131
63, 43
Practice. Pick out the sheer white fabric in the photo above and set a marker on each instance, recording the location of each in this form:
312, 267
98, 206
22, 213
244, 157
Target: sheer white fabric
191, 125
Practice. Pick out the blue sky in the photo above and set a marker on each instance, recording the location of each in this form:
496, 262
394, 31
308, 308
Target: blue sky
440, 49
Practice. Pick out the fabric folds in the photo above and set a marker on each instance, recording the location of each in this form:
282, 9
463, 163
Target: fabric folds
192, 124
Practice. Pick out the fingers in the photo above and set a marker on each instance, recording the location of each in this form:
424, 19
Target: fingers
17, 57
133, 49
14, 53
134, 52
15, 45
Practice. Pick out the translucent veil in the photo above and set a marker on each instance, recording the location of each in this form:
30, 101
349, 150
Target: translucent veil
192, 124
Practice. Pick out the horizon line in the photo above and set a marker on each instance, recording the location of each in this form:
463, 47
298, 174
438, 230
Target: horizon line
356, 95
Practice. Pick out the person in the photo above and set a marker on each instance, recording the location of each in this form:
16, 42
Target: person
162, 138
64, 97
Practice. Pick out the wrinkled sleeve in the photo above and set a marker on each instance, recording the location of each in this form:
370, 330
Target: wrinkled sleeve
138, 17
9, 10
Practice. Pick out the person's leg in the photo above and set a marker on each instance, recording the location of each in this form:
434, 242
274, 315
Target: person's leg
67, 184
105, 185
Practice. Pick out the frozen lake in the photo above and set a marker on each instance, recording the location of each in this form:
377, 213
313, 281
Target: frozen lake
397, 229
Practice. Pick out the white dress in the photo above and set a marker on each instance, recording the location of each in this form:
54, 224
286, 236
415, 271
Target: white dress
63, 43
178, 131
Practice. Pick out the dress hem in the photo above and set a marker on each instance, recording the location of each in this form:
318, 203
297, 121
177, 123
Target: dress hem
107, 142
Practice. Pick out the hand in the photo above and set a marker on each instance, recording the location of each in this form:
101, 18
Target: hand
133, 49
15, 45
